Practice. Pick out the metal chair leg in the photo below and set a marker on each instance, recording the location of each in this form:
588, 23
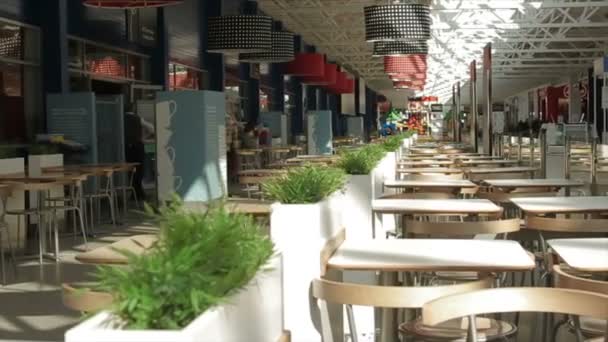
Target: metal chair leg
472, 330
2, 265
557, 327
56, 232
82, 227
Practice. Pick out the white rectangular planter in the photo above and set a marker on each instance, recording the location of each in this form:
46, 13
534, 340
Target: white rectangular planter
254, 314
300, 231
357, 216
15, 202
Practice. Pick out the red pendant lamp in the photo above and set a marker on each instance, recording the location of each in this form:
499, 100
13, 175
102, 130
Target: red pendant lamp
409, 77
129, 4
408, 85
329, 77
405, 64
343, 85
306, 64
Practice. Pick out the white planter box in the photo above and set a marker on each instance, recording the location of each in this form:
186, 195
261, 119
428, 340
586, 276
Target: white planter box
357, 220
253, 314
300, 231
15, 202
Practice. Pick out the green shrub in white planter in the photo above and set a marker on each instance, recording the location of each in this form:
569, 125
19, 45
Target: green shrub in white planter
305, 185
361, 161
200, 261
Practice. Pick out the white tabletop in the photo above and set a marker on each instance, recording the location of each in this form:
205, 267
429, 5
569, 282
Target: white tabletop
448, 183
532, 183
436, 170
489, 162
548, 205
590, 255
431, 255
516, 169
474, 157
425, 162
431, 206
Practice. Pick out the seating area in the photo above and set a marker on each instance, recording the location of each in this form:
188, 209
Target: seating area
303, 170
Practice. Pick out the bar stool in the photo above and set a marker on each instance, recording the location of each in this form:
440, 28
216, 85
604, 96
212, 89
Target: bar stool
41, 212
247, 160
107, 192
74, 203
128, 187
4, 194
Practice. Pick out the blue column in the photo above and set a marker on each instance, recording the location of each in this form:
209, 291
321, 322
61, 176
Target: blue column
332, 102
277, 82
297, 121
54, 26
311, 91
322, 99
160, 55
252, 109
213, 63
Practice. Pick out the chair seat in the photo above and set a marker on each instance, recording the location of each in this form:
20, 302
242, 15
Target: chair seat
591, 326
456, 330
79, 297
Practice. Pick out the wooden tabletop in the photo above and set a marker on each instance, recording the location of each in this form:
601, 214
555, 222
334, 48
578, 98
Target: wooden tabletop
448, 183
532, 183
435, 170
425, 163
473, 157
516, 169
488, 162
557, 205
402, 255
262, 172
587, 255
430, 206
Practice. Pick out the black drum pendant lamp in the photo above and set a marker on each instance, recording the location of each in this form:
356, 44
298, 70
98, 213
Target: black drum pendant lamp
399, 48
240, 34
282, 50
401, 22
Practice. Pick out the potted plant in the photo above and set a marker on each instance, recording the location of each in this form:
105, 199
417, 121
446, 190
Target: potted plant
307, 215
360, 166
210, 277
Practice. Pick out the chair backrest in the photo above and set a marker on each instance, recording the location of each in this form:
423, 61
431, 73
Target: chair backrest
462, 228
568, 281
524, 299
567, 225
391, 296
381, 296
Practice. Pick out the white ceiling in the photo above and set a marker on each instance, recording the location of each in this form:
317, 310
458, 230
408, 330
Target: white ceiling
534, 42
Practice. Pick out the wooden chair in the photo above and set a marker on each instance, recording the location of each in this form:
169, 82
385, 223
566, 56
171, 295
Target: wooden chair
504, 300
582, 326
252, 185
79, 297
386, 297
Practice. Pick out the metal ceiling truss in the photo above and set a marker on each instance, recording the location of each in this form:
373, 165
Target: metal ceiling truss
536, 37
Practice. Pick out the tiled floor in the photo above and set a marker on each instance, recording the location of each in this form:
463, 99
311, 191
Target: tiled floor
30, 304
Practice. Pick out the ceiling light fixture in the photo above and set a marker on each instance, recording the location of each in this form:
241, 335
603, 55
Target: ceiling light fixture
397, 48
282, 50
240, 34
401, 22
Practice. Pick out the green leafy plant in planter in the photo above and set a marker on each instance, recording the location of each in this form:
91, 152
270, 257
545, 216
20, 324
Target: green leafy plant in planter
392, 142
305, 185
201, 259
7, 152
361, 161
42, 149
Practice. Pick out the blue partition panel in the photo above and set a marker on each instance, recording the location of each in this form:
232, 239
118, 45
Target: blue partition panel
320, 132
191, 152
74, 116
